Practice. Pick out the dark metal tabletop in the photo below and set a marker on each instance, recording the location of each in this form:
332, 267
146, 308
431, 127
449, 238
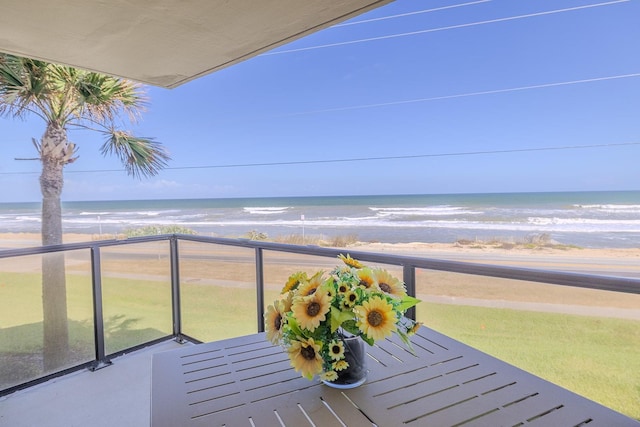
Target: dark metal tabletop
247, 381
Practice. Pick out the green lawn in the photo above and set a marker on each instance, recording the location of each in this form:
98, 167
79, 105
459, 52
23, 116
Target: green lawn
571, 351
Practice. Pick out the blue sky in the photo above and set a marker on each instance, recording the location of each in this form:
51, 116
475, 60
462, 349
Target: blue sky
478, 96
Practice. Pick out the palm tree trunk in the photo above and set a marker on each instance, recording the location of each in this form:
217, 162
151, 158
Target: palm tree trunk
54, 289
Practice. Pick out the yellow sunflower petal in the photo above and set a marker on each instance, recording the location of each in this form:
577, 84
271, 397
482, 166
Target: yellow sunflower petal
294, 280
350, 261
336, 350
340, 365
389, 284
366, 278
273, 321
305, 357
309, 311
350, 299
329, 376
309, 287
376, 318
286, 302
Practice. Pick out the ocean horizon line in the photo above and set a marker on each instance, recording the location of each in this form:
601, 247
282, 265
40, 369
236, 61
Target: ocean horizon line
498, 193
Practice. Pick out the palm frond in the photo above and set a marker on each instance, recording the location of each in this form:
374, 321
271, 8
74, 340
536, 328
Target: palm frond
141, 157
15, 85
103, 97
25, 86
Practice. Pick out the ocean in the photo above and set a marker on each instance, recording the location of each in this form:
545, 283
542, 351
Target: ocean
587, 219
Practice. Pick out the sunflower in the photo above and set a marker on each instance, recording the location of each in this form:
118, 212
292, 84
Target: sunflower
273, 322
329, 376
286, 302
336, 350
340, 365
376, 318
309, 287
295, 280
309, 311
389, 284
344, 287
366, 278
305, 357
414, 329
329, 288
350, 261
349, 299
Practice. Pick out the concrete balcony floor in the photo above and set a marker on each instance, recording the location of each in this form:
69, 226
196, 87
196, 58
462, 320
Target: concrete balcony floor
117, 395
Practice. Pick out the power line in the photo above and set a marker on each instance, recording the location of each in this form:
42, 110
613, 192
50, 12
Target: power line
469, 94
411, 156
418, 12
451, 27
366, 159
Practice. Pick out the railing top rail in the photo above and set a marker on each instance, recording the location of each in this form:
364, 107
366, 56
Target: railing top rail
601, 282
609, 283
36, 250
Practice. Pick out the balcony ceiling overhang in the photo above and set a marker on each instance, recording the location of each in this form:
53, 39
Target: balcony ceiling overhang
163, 42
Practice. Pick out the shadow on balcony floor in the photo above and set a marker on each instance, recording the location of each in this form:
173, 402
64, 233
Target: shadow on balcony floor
118, 395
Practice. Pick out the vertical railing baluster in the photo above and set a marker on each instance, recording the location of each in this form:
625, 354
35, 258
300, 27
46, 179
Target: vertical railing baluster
409, 278
260, 288
101, 360
175, 289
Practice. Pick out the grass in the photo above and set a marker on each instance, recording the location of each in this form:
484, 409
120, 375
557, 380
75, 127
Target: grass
339, 241
596, 357
534, 241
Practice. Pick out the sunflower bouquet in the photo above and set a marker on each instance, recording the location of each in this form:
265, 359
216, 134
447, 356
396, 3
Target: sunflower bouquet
314, 314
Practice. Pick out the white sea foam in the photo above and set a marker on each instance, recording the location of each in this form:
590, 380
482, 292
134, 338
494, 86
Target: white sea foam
582, 221
29, 218
96, 213
265, 210
129, 213
439, 210
611, 207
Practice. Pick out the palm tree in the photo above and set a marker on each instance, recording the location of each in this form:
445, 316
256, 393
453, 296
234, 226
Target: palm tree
66, 98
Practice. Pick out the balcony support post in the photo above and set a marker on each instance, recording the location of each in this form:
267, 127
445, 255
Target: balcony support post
101, 359
175, 290
409, 278
260, 288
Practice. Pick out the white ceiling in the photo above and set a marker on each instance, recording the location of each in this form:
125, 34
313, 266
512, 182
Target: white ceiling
162, 42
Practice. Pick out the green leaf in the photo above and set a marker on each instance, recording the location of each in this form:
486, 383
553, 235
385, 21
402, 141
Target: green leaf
351, 327
407, 302
338, 317
405, 339
293, 325
367, 339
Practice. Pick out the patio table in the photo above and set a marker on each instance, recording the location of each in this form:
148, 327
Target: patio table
247, 381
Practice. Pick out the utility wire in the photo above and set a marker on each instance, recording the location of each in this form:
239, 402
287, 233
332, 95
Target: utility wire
468, 94
451, 27
366, 159
402, 15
